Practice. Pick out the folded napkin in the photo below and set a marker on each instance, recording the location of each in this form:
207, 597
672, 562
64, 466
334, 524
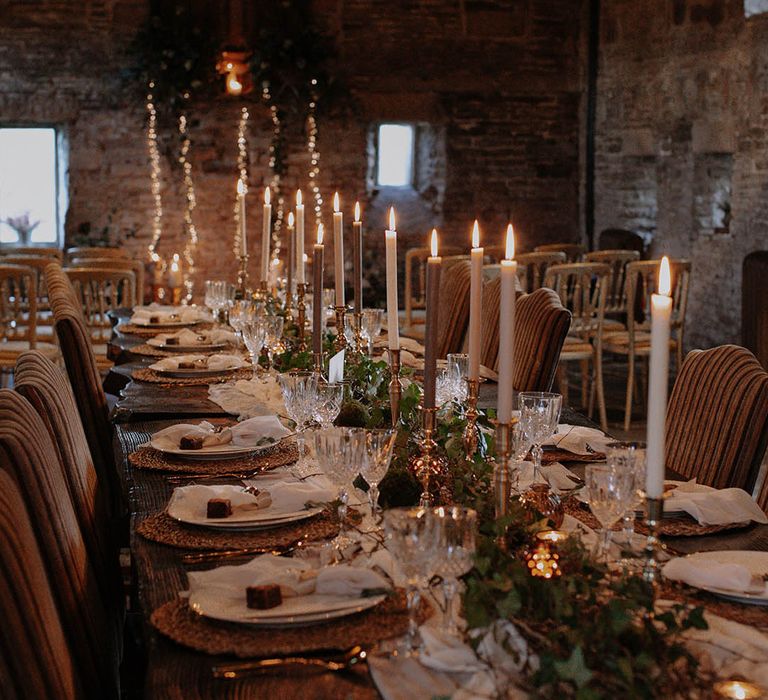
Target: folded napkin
191, 502
248, 397
294, 576
712, 506
556, 474
166, 314
709, 574
254, 431
189, 338
445, 652
290, 495
578, 440
168, 438
413, 346
216, 363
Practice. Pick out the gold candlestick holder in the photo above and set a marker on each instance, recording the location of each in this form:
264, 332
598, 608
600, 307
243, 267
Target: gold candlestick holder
654, 513
242, 275
357, 325
301, 312
318, 362
502, 481
427, 463
395, 387
340, 343
471, 435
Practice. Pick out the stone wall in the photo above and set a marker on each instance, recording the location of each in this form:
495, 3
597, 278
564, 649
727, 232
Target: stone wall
681, 143
494, 84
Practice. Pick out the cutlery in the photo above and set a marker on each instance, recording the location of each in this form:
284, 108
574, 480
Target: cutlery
332, 664
204, 557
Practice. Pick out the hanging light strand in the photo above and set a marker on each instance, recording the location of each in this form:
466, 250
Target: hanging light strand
154, 174
274, 183
191, 202
314, 154
242, 171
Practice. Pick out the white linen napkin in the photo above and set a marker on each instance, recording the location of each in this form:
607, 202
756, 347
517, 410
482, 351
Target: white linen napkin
713, 506
215, 363
578, 439
556, 474
252, 432
294, 576
189, 338
709, 574
168, 438
291, 495
191, 502
178, 314
248, 397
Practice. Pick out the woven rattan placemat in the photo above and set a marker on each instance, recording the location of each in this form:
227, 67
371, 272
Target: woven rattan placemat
150, 332
389, 619
145, 374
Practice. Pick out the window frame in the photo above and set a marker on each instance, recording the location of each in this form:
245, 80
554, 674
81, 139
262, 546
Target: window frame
411, 165
60, 191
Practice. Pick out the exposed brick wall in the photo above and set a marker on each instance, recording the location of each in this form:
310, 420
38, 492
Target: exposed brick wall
682, 129
498, 80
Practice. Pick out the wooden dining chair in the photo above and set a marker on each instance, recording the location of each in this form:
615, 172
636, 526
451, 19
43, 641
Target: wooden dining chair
18, 317
47, 389
134, 265
83, 372
717, 418
94, 252
616, 287
416, 284
532, 267
35, 658
581, 288
27, 454
574, 252
38, 263
40, 251
541, 325
635, 342
453, 311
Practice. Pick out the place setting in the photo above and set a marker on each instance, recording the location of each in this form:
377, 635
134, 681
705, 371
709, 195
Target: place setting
195, 369
150, 320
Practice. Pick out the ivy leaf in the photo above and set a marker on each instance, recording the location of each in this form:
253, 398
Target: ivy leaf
574, 669
696, 620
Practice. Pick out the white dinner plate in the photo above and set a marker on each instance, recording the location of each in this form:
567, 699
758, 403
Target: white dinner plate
166, 324
265, 520
755, 562
228, 451
190, 348
295, 611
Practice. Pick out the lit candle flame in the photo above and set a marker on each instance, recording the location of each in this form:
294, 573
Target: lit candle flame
298, 198
434, 243
665, 278
357, 211
267, 195
475, 235
391, 218
336, 202
319, 234
290, 219
510, 247
240, 187
234, 86
175, 263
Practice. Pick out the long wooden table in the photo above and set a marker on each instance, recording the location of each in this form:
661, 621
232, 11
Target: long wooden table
175, 672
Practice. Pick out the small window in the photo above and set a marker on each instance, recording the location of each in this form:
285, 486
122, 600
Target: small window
755, 7
28, 185
395, 155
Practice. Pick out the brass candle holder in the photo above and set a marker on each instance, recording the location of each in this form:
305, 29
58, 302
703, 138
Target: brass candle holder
340, 343
301, 312
471, 435
427, 463
395, 387
502, 482
242, 275
318, 356
654, 514
357, 325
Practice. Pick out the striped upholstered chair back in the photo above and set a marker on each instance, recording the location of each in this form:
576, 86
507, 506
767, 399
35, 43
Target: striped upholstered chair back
83, 373
453, 313
541, 324
35, 661
717, 418
27, 454
46, 387
489, 349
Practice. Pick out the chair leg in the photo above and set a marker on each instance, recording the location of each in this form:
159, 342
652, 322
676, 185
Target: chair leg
585, 376
630, 388
562, 381
598, 386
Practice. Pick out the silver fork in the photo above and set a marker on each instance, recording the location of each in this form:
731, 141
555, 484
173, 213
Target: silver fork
334, 664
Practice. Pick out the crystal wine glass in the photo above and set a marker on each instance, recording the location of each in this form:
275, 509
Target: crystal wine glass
340, 452
274, 327
299, 392
328, 403
254, 333
630, 457
458, 367
238, 313
371, 321
412, 538
609, 491
539, 415
444, 388
456, 548
379, 445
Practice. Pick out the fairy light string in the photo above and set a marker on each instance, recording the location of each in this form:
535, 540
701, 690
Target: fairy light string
191, 202
154, 174
242, 172
314, 154
275, 179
